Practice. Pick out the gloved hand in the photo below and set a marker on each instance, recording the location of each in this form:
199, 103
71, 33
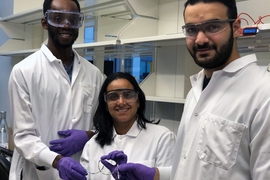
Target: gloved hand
133, 171
69, 169
73, 142
119, 157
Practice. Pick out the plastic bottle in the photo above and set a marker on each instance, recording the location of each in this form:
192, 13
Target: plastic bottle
3, 130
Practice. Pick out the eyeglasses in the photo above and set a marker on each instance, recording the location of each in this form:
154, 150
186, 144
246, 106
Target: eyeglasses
208, 27
129, 95
60, 18
100, 170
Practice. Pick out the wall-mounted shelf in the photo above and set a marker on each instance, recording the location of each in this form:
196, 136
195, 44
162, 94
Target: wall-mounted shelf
165, 99
159, 38
140, 47
20, 53
27, 17
117, 9
132, 46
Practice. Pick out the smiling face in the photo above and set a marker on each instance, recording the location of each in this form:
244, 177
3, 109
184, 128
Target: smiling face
210, 51
122, 111
62, 37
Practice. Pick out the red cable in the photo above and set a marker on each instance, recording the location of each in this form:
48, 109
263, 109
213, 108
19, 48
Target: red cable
247, 15
260, 19
245, 20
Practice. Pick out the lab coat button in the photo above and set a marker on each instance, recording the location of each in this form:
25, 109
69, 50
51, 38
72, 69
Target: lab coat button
196, 114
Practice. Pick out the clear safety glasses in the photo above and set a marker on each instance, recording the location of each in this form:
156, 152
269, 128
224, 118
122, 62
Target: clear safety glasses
104, 171
60, 18
208, 27
128, 95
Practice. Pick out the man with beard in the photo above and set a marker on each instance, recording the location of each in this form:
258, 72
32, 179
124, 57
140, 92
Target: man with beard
224, 130
53, 94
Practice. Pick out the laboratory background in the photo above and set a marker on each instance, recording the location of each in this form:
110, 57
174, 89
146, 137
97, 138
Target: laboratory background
142, 37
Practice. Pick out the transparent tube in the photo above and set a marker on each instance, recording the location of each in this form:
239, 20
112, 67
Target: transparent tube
3, 130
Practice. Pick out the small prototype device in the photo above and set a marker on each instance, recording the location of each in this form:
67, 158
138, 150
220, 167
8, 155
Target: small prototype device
250, 31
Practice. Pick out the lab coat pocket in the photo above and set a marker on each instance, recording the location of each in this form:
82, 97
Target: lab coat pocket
87, 97
219, 141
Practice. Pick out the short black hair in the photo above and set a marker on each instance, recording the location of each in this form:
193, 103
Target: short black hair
103, 122
230, 4
47, 5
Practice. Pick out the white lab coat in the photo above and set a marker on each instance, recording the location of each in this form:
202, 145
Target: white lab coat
44, 101
152, 147
224, 132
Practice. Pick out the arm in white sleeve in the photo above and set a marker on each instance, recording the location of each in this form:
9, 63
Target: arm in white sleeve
26, 138
165, 155
260, 143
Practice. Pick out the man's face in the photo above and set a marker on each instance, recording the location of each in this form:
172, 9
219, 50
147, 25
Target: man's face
209, 51
64, 36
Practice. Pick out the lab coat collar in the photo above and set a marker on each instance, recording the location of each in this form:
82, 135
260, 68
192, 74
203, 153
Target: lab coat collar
134, 131
52, 58
240, 63
234, 66
230, 68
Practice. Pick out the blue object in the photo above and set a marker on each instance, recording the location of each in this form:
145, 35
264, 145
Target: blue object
250, 31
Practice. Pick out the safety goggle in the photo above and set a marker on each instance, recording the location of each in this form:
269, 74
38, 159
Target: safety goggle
208, 27
60, 18
128, 96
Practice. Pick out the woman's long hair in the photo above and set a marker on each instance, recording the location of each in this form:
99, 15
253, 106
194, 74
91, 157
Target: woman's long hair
103, 121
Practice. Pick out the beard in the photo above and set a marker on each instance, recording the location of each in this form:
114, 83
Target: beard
221, 57
53, 36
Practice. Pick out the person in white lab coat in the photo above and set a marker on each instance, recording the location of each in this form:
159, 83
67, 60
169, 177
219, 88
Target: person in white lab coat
53, 95
123, 132
224, 129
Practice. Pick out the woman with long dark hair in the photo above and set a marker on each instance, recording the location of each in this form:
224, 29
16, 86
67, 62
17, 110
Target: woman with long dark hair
121, 128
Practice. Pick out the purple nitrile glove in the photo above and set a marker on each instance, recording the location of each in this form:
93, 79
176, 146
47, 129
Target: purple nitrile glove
119, 157
133, 171
73, 142
69, 169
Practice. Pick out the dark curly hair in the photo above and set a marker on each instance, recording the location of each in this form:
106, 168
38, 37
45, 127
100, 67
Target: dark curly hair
230, 4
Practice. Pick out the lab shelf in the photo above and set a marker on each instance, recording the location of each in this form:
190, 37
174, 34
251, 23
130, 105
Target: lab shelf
27, 17
122, 9
20, 53
165, 99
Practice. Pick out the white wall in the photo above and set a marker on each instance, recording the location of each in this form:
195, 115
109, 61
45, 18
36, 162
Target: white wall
255, 8
123, 29
25, 5
170, 17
